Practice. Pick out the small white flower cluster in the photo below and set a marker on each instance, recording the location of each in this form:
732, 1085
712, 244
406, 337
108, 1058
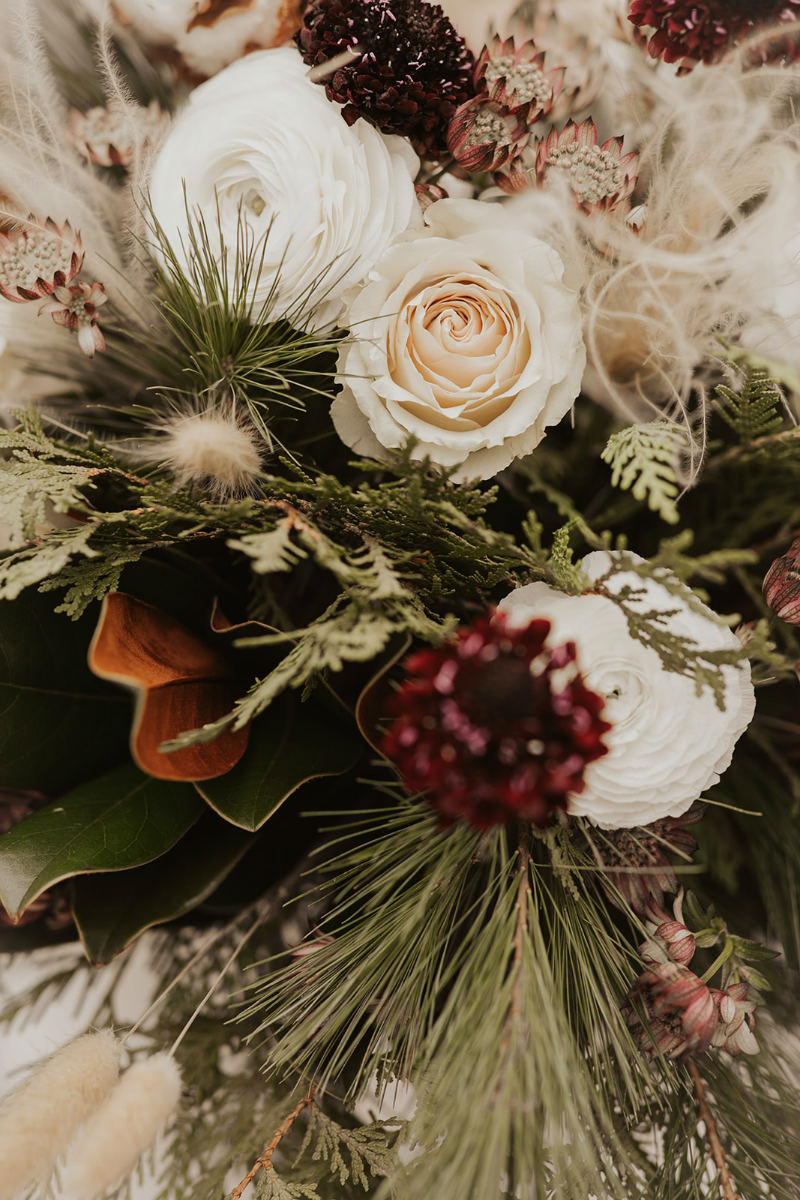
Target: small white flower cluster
77, 1105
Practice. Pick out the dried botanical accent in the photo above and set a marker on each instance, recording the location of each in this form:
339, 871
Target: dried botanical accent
264, 1163
672, 1012
782, 585
180, 682
484, 136
636, 863
736, 1021
34, 261
601, 177
75, 307
669, 937
39, 1120
106, 137
212, 449
727, 1187
414, 69
515, 77
495, 724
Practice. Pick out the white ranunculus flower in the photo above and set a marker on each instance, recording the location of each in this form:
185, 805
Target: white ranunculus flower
667, 745
466, 338
261, 139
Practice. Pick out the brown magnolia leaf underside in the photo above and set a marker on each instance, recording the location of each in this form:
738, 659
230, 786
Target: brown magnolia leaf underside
180, 684
214, 10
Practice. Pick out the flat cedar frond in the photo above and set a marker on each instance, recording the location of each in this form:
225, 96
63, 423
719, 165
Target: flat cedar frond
645, 460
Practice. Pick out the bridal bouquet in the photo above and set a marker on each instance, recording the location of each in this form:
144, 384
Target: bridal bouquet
400, 595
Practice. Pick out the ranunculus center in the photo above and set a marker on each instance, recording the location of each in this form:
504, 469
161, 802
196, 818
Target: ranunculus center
625, 690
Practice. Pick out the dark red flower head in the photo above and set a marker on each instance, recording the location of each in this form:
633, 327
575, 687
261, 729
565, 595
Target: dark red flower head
692, 31
495, 724
412, 72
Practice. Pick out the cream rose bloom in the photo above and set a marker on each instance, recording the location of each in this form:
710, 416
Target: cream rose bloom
329, 198
464, 337
667, 744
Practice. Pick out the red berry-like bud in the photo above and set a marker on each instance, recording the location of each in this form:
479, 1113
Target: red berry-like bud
495, 725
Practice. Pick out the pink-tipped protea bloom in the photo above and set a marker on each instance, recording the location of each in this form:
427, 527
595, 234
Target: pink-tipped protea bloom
734, 1032
483, 136
76, 308
602, 178
670, 939
672, 1012
107, 138
37, 260
782, 585
516, 77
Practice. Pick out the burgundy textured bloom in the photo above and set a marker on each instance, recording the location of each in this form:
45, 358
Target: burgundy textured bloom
412, 72
691, 31
495, 725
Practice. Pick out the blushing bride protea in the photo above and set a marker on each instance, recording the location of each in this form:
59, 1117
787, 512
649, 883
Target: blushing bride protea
260, 143
667, 744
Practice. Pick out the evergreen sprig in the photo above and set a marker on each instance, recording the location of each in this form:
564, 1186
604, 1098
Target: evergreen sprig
756, 410
645, 460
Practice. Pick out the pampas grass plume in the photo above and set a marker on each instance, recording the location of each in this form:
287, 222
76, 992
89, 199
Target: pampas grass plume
40, 1119
127, 1125
211, 449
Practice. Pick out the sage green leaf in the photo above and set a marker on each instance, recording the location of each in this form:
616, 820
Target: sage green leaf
58, 724
120, 820
111, 910
290, 744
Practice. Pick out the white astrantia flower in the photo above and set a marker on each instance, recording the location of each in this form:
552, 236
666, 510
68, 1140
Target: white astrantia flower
465, 338
667, 744
261, 142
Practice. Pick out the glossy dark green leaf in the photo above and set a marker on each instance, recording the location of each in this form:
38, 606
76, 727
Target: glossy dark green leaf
58, 724
120, 820
289, 745
113, 909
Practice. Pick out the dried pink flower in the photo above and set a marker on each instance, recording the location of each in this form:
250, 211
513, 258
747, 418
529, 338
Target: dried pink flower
670, 938
106, 137
76, 308
516, 77
782, 585
601, 177
36, 260
484, 136
736, 1021
672, 1011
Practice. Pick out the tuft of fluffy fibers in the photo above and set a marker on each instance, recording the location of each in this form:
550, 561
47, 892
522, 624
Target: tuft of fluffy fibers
116, 1136
40, 1119
210, 449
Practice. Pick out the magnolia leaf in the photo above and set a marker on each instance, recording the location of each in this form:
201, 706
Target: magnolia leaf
181, 683
59, 725
121, 820
290, 744
111, 910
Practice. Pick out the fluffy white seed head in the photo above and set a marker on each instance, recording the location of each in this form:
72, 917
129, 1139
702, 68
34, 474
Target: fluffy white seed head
40, 1119
211, 450
119, 1132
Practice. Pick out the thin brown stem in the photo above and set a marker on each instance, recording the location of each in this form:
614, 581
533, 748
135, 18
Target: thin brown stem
264, 1163
520, 933
727, 1188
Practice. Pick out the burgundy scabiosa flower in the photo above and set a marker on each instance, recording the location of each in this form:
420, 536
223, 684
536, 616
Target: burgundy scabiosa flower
495, 724
411, 69
692, 31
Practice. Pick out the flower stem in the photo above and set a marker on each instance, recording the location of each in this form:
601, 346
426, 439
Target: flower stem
727, 1188
265, 1161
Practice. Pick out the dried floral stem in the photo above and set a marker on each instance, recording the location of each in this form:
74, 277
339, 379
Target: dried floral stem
265, 1161
727, 1188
